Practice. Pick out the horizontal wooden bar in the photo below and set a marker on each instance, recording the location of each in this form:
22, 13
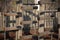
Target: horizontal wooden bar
8, 29
27, 22
48, 11
31, 4
10, 14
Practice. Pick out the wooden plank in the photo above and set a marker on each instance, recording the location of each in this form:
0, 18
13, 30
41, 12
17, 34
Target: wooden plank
47, 1
8, 29
47, 33
29, 37
27, 22
48, 11
10, 14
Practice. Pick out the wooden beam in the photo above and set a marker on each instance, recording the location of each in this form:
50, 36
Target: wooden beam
2, 29
27, 22
10, 14
49, 11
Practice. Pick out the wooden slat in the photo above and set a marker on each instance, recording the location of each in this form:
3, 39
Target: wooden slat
10, 14
11, 28
49, 11
47, 33
27, 22
46, 1
29, 37
8, 29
